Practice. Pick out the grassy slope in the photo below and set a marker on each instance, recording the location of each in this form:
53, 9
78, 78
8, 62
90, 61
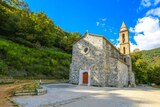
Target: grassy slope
152, 57
20, 61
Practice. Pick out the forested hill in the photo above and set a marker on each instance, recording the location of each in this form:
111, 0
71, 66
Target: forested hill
146, 65
152, 57
31, 45
22, 26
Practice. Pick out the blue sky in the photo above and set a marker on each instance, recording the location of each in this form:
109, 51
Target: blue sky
103, 17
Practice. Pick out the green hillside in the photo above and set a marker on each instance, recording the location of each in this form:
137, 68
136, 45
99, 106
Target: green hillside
31, 45
20, 25
20, 61
146, 65
152, 57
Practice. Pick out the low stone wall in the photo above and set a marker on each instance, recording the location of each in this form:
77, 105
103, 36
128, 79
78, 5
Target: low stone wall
24, 92
41, 91
30, 92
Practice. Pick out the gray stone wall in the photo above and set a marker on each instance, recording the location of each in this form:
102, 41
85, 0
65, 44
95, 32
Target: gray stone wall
117, 70
106, 64
93, 59
122, 74
112, 75
132, 79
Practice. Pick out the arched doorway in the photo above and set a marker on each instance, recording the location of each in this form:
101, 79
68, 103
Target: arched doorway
85, 77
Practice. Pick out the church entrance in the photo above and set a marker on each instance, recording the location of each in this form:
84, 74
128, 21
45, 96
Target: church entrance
85, 78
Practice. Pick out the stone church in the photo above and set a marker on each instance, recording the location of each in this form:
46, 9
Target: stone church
97, 62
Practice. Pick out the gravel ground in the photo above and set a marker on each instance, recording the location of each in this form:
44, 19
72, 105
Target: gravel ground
66, 95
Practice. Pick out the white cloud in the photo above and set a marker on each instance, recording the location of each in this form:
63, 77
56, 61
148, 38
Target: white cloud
131, 29
147, 33
112, 40
146, 3
118, 40
117, 44
156, 2
97, 23
147, 29
154, 12
104, 19
147, 24
133, 46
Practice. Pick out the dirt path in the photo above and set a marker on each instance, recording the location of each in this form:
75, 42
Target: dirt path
6, 93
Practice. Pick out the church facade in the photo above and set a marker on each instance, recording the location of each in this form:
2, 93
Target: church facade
97, 62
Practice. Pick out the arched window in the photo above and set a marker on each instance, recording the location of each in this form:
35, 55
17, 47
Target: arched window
124, 50
123, 38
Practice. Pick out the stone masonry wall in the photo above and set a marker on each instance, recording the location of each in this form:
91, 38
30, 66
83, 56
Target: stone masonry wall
103, 60
112, 76
122, 74
93, 59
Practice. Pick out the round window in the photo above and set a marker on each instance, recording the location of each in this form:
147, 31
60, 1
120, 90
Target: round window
86, 50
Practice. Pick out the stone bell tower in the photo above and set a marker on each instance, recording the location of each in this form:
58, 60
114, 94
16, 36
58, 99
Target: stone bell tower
125, 50
124, 40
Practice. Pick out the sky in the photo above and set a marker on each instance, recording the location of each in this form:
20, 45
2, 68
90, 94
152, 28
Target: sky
104, 17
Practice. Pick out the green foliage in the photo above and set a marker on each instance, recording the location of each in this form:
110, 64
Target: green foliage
140, 67
32, 86
31, 45
152, 56
20, 61
22, 26
3, 67
154, 75
146, 65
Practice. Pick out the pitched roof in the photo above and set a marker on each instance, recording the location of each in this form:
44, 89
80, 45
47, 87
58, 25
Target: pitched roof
98, 36
106, 41
80, 38
123, 27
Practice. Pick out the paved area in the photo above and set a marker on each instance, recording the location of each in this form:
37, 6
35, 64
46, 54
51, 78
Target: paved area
66, 95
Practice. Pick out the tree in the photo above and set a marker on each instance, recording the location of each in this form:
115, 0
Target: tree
154, 75
27, 27
20, 4
139, 67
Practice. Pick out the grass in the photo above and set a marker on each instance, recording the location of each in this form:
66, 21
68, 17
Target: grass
19, 61
157, 86
32, 85
49, 81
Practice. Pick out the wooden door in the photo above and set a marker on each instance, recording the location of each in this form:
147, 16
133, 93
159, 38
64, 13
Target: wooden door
85, 78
